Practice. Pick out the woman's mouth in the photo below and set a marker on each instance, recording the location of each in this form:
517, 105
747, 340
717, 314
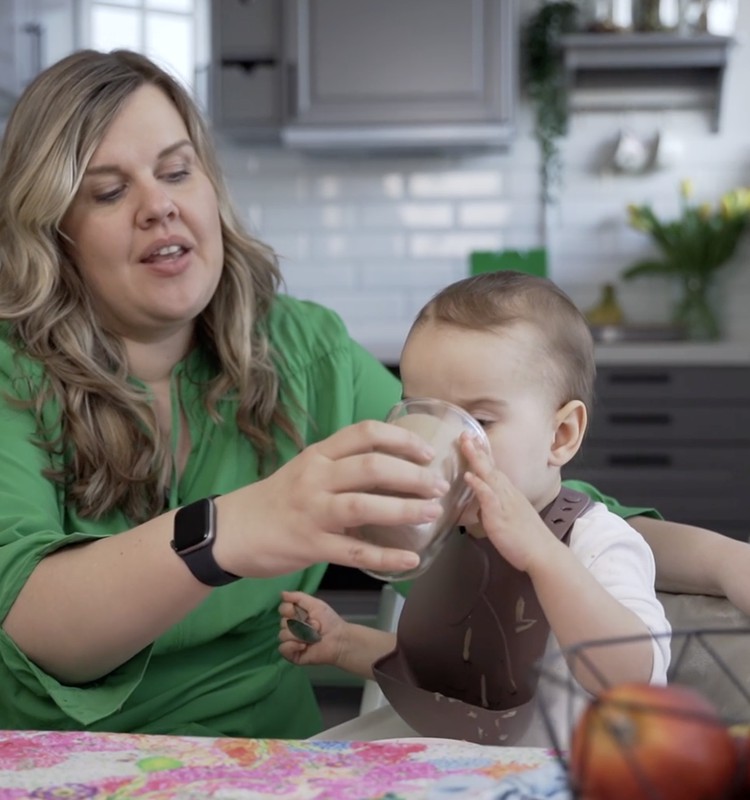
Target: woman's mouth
168, 253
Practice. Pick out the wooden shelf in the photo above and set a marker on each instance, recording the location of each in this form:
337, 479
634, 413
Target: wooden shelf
648, 70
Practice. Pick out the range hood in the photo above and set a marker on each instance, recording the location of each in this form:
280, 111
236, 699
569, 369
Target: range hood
409, 137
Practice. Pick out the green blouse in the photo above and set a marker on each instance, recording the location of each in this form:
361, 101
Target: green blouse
218, 671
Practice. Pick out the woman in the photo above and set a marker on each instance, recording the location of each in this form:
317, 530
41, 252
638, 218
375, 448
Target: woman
147, 365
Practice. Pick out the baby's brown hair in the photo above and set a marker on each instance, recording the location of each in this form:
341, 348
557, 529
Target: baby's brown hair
504, 298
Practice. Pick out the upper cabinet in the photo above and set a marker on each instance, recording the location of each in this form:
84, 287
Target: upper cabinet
399, 73
33, 35
247, 87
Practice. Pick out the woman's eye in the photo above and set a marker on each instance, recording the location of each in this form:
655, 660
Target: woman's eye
108, 196
176, 176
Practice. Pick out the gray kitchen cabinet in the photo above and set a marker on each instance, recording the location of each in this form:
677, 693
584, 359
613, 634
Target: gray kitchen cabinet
33, 35
246, 95
402, 73
673, 437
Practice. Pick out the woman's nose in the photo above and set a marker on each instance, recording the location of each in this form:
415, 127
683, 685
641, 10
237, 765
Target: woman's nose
155, 206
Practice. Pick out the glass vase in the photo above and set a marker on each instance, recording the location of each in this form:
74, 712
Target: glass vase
694, 311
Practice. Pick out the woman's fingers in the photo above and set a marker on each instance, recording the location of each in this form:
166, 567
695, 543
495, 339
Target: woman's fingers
381, 472
374, 436
350, 552
353, 509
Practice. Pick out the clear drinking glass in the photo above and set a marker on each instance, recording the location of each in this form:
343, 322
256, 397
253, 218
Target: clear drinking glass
441, 424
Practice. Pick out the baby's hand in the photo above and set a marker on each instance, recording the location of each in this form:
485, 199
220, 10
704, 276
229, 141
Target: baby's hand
506, 516
331, 630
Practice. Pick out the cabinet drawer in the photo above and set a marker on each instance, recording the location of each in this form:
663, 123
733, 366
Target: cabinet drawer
696, 497
684, 385
731, 461
656, 420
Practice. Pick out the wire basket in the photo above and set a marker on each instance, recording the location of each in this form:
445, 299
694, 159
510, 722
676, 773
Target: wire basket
659, 745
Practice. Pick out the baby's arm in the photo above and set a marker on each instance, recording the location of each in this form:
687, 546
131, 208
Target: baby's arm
343, 644
581, 607
697, 560
578, 606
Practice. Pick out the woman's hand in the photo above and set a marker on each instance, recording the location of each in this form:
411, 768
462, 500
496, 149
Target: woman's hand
342, 644
368, 473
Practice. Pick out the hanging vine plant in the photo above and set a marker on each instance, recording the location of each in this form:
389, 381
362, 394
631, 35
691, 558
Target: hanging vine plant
547, 87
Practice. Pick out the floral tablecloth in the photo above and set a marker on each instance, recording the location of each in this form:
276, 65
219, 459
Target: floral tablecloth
77, 765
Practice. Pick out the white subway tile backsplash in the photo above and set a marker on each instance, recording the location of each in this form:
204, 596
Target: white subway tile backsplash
456, 184
309, 216
356, 186
288, 246
452, 245
485, 215
359, 244
309, 276
360, 306
376, 237
408, 215
405, 274
289, 189
254, 219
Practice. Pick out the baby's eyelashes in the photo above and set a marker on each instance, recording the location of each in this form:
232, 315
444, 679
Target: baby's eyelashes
484, 422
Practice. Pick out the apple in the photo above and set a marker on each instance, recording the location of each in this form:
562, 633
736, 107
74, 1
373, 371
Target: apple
636, 741
741, 734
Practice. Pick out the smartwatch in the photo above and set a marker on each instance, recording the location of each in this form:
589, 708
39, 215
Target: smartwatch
193, 541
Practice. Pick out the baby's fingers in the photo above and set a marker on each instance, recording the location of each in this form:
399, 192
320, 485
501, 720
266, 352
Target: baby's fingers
290, 648
477, 458
489, 502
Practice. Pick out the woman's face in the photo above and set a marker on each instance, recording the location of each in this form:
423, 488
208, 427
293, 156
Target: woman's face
144, 226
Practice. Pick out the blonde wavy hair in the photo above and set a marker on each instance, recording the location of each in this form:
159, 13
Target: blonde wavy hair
501, 299
112, 452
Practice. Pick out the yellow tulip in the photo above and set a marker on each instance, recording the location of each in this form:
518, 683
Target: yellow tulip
686, 188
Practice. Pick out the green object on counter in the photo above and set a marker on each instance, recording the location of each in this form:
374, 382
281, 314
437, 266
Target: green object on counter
533, 262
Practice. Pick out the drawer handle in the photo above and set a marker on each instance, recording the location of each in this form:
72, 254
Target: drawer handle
639, 377
639, 419
639, 460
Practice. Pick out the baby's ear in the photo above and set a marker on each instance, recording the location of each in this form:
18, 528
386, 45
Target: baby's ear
570, 427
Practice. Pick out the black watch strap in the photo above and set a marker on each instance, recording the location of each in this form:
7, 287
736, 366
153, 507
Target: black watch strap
194, 536
203, 565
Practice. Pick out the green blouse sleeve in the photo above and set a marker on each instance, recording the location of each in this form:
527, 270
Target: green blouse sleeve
31, 527
613, 505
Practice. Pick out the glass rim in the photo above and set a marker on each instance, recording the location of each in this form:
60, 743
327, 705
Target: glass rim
461, 413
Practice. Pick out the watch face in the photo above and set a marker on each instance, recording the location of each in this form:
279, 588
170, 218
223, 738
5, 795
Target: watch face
194, 526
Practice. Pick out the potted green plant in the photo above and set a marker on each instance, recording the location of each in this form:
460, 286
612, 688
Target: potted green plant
693, 247
547, 86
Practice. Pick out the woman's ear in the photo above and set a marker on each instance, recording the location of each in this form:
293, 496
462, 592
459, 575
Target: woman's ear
570, 426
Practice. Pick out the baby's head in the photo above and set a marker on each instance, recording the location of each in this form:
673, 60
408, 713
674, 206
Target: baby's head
515, 352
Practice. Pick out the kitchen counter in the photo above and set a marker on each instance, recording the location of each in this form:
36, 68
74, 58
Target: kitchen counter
665, 353
675, 353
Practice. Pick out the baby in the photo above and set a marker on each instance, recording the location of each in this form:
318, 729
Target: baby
514, 352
